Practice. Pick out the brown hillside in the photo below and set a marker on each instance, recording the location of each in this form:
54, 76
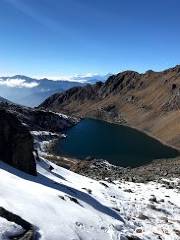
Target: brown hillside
149, 102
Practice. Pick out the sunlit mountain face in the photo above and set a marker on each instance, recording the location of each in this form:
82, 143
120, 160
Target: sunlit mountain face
31, 92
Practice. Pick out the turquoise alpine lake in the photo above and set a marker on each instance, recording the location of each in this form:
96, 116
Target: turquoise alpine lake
120, 145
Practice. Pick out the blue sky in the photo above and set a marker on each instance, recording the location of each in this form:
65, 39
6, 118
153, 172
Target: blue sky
65, 37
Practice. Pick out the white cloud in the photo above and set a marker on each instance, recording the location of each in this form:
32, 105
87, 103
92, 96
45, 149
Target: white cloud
18, 83
75, 77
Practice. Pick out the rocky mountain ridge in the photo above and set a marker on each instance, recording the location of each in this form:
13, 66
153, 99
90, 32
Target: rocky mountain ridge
149, 102
16, 141
39, 120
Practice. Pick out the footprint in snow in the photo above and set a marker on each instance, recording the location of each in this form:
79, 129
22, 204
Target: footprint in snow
79, 224
142, 216
128, 190
116, 209
62, 197
88, 190
104, 184
74, 200
118, 227
104, 229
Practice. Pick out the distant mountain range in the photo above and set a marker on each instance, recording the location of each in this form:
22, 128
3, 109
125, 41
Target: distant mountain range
31, 91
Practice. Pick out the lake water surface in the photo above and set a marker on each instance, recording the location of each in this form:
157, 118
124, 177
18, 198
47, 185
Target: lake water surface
120, 145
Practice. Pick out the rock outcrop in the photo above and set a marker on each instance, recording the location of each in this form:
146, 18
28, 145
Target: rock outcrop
16, 143
29, 230
39, 120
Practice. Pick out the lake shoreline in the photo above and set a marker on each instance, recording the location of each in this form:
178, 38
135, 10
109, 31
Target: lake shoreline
157, 170
137, 129
128, 143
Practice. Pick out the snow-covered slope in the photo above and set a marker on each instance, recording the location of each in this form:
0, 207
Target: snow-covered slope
63, 205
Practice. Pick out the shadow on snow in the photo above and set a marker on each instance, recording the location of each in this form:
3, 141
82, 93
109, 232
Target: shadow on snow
82, 196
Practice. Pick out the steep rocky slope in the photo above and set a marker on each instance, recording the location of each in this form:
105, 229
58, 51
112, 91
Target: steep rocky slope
149, 102
16, 143
40, 120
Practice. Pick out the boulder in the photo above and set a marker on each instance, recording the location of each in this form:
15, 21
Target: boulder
16, 143
174, 86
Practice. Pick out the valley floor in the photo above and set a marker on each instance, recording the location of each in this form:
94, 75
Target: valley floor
67, 206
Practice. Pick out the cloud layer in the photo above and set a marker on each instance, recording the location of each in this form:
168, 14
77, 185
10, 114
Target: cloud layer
82, 78
18, 83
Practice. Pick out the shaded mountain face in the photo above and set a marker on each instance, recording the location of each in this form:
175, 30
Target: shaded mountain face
16, 143
149, 102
